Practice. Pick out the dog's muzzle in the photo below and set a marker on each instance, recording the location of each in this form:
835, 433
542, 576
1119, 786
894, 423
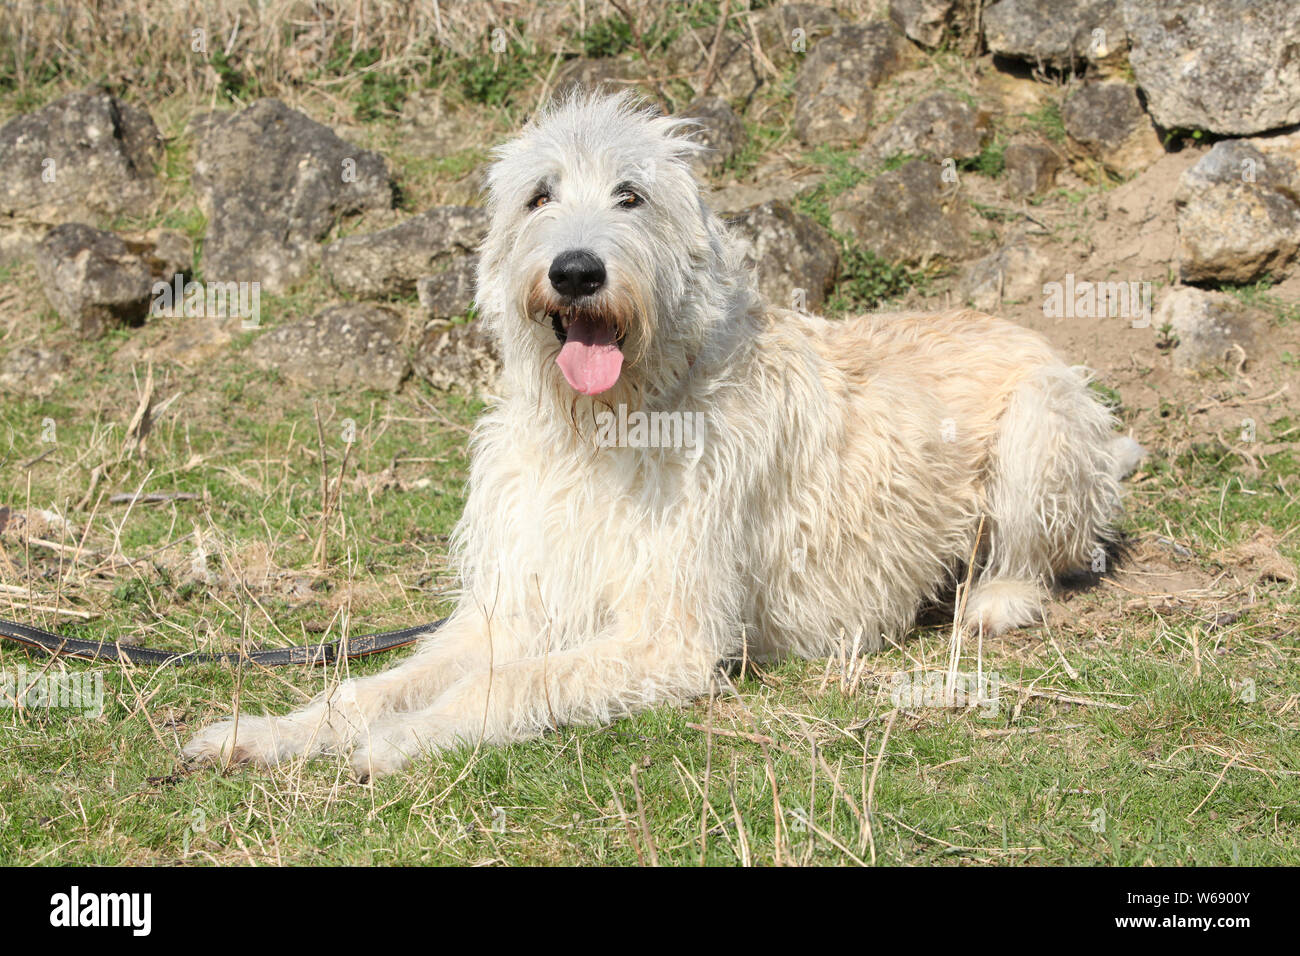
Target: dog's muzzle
591, 353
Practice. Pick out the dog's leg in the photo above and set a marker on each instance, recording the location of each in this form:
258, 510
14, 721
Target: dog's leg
594, 683
1052, 494
340, 715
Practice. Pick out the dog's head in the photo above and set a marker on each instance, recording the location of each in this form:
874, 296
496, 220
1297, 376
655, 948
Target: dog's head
602, 265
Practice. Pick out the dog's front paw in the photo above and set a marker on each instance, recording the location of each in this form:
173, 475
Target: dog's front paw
254, 740
390, 746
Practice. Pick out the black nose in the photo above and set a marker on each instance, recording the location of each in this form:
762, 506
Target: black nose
576, 273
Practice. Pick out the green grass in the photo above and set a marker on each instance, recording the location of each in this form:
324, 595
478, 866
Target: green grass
1258, 295
1190, 772
1047, 121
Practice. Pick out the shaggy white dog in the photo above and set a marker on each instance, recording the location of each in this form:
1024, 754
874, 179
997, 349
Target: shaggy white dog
678, 473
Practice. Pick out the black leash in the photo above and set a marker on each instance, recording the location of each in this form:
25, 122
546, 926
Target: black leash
363, 646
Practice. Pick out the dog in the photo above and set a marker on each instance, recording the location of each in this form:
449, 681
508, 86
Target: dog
842, 474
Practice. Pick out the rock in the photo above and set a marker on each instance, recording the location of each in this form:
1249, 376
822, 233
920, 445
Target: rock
833, 99
194, 341
1105, 123
273, 182
933, 22
165, 251
939, 126
1213, 330
721, 130
1058, 34
1013, 273
796, 260
736, 73
450, 293
344, 346
93, 279
1231, 66
908, 215
1029, 168
791, 30
740, 196
390, 262
460, 356
88, 157
1237, 213
32, 370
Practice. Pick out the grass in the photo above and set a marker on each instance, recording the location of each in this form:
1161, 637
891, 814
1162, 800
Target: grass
1188, 771
1258, 295
1047, 121
865, 280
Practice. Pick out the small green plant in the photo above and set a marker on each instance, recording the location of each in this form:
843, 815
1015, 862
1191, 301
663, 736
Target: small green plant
1109, 396
867, 281
232, 81
1047, 120
1165, 337
991, 161
608, 37
379, 94
842, 174
758, 140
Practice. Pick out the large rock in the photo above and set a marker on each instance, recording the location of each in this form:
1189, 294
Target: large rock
32, 370
720, 129
908, 215
1230, 66
939, 126
932, 22
789, 31
390, 262
1238, 212
1013, 273
1105, 124
795, 259
457, 356
833, 99
273, 182
1029, 168
1212, 330
88, 157
345, 346
93, 279
450, 293
1058, 34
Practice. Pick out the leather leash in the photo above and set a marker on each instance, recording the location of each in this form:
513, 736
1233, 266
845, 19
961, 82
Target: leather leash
58, 646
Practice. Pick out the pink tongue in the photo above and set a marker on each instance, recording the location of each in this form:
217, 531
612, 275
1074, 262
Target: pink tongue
591, 360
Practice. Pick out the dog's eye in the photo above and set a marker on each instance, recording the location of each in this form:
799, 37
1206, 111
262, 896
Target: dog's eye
627, 199
538, 201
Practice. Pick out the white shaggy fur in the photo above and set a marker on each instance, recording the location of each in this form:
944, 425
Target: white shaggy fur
842, 476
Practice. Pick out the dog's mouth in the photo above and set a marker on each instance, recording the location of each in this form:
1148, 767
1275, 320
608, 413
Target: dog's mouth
591, 353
